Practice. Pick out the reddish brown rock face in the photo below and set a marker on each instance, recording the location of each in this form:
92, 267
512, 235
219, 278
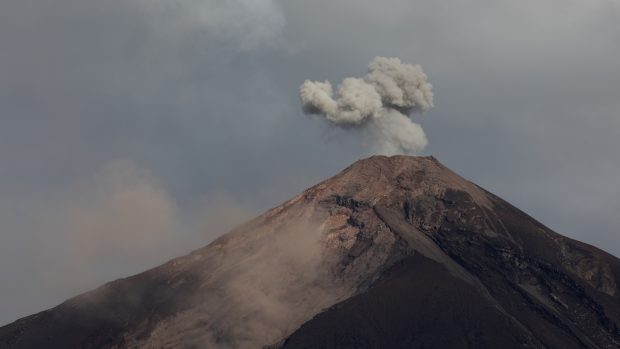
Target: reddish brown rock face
392, 252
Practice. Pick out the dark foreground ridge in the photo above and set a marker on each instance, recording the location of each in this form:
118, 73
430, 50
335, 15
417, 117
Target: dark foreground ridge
393, 252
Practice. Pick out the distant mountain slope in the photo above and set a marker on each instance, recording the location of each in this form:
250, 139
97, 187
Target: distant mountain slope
393, 252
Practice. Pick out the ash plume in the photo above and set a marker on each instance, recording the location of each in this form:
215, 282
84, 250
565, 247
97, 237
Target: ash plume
379, 104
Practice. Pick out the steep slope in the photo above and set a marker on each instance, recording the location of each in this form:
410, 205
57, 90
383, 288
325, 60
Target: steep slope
521, 285
417, 304
392, 252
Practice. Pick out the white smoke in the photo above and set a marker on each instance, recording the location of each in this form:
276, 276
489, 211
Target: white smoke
378, 103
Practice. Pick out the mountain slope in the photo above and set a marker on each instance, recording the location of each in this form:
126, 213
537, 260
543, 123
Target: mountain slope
392, 252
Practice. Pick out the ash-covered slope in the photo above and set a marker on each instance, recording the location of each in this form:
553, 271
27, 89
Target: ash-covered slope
393, 252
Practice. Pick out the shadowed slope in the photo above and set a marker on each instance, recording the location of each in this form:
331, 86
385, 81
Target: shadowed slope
417, 304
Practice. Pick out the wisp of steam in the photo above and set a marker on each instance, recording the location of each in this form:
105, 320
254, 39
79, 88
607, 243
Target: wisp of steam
379, 104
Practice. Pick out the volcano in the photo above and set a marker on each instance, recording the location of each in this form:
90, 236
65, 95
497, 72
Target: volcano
393, 252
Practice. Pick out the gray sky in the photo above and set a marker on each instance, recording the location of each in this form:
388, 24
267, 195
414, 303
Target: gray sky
133, 131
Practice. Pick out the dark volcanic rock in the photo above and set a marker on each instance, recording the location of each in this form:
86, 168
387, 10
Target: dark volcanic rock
393, 252
416, 304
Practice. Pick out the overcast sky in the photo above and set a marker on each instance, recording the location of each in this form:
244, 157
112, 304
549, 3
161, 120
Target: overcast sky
133, 131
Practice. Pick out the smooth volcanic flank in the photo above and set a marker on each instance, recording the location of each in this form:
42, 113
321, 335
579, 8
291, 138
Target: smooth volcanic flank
393, 252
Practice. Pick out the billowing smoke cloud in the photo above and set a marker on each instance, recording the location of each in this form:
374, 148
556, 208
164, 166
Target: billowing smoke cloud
378, 104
